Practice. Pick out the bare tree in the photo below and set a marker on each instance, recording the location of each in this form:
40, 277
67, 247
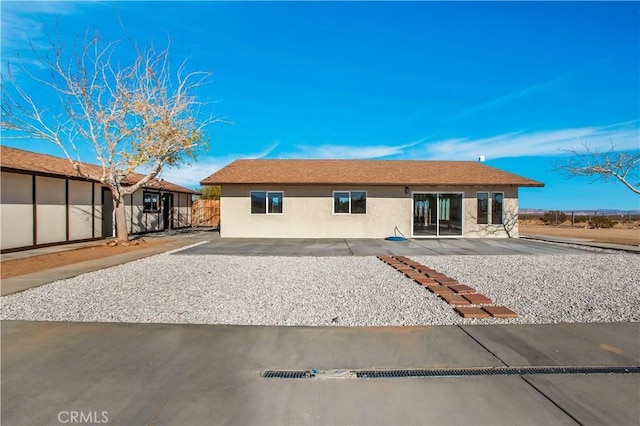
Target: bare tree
623, 166
510, 222
140, 115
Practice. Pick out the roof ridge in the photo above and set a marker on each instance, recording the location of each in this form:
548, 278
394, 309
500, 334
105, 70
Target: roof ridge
353, 159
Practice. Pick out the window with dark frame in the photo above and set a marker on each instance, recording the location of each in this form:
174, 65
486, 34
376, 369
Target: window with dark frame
497, 207
358, 202
274, 205
267, 202
151, 202
483, 208
350, 202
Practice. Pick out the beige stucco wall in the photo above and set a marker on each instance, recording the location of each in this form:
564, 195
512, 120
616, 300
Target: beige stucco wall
308, 212
80, 210
153, 221
16, 210
97, 218
137, 212
181, 210
51, 210
510, 215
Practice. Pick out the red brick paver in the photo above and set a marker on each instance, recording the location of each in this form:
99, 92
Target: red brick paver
435, 275
425, 281
468, 312
461, 288
500, 312
440, 289
477, 299
448, 289
454, 299
446, 281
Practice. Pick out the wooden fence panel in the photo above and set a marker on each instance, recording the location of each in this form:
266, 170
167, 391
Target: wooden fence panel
206, 213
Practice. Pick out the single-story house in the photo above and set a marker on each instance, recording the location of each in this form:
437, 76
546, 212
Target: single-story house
44, 202
367, 199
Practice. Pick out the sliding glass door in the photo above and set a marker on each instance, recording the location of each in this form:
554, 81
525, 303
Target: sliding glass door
437, 215
425, 215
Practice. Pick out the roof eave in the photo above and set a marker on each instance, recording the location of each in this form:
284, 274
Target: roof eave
534, 184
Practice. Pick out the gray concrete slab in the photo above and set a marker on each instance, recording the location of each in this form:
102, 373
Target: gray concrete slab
592, 344
588, 399
373, 247
202, 374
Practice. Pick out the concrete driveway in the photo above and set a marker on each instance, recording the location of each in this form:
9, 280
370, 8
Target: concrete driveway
373, 247
210, 374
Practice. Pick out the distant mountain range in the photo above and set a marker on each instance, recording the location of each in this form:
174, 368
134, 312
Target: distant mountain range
603, 212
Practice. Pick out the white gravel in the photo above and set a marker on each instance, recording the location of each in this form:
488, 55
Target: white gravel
343, 291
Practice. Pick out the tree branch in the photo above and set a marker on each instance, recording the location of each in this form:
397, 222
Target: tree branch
601, 166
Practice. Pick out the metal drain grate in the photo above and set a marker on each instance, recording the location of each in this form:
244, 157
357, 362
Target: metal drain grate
287, 374
445, 372
497, 371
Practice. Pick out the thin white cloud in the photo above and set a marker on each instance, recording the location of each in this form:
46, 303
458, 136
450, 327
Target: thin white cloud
625, 136
190, 175
351, 151
23, 27
531, 89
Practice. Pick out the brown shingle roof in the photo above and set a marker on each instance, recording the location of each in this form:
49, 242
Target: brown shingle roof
18, 159
364, 172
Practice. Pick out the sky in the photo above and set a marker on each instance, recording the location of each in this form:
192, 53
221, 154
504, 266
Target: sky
517, 82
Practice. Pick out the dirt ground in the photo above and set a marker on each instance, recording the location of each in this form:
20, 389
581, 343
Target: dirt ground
27, 265
627, 235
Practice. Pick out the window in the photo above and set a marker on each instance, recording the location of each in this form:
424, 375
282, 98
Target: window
497, 199
341, 202
275, 202
151, 201
483, 208
358, 202
263, 202
350, 202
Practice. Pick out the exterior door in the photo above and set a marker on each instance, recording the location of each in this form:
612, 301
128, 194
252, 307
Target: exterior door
107, 213
437, 215
450, 215
167, 211
425, 215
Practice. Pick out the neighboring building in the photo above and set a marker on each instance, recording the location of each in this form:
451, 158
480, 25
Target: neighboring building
367, 199
44, 202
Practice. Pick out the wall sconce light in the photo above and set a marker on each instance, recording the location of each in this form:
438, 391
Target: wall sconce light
406, 189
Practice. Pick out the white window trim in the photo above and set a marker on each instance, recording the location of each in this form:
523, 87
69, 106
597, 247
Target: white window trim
437, 194
267, 203
333, 202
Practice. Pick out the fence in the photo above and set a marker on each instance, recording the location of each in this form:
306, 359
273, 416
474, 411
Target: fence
205, 213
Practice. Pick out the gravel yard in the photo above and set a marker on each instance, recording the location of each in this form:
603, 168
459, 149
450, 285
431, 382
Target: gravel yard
342, 291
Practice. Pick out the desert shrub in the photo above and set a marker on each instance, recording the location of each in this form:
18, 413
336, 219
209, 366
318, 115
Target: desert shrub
601, 222
553, 217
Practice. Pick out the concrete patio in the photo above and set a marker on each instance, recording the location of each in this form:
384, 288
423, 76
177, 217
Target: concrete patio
374, 247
